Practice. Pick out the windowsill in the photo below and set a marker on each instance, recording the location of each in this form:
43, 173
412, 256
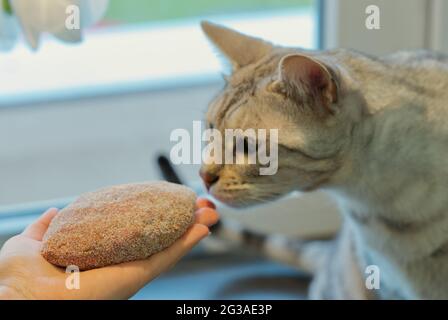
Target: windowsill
125, 59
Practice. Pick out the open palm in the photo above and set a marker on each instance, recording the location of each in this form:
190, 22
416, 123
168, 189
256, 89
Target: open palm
25, 274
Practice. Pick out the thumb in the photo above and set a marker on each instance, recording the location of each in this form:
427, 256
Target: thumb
37, 229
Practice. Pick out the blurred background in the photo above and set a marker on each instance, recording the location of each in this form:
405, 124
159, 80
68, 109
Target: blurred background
76, 117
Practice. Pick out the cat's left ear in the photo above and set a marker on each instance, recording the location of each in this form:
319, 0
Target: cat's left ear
240, 49
306, 77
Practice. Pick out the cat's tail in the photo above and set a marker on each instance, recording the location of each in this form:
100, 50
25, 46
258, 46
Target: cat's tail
305, 255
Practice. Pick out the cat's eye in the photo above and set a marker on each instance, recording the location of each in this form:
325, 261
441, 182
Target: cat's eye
247, 147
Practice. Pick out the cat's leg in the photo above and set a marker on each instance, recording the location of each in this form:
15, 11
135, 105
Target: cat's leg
340, 276
334, 282
333, 263
303, 255
306, 256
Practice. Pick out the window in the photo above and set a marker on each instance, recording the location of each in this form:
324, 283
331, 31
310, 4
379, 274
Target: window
141, 11
147, 44
76, 145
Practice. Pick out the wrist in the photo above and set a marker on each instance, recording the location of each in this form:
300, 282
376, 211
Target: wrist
7, 293
7, 288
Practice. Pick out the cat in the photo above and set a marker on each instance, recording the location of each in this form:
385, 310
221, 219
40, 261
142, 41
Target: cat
370, 131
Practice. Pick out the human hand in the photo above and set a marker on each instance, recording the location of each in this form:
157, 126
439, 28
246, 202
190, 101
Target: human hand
25, 274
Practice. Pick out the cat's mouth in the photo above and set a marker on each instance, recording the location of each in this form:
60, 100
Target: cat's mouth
240, 197
231, 199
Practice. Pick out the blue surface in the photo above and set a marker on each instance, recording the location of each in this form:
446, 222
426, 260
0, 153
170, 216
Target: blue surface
218, 278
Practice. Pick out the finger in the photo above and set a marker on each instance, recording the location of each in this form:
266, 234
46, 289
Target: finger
37, 229
125, 279
207, 216
204, 203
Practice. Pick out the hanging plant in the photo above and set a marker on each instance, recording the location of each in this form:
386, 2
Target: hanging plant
7, 7
64, 19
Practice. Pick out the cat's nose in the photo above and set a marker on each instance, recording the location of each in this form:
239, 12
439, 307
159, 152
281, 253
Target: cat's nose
208, 178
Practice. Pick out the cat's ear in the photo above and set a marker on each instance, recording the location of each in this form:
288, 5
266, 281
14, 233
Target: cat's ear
240, 49
304, 77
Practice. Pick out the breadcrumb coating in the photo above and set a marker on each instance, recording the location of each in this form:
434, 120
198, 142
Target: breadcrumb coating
119, 224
